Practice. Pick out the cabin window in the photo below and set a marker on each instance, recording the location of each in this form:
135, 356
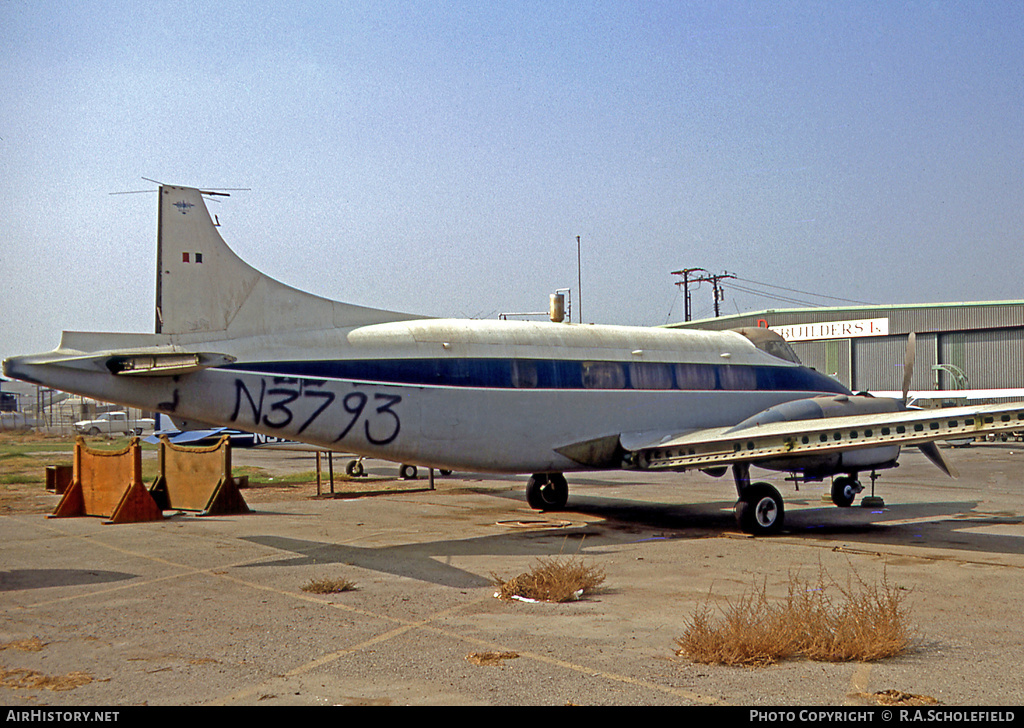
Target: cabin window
650, 375
524, 374
603, 375
737, 377
695, 376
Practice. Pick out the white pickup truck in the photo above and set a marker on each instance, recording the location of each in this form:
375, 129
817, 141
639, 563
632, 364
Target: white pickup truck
113, 423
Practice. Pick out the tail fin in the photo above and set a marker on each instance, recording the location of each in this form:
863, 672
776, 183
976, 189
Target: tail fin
201, 285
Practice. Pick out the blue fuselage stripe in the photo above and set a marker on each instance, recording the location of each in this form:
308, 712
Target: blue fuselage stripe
555, 374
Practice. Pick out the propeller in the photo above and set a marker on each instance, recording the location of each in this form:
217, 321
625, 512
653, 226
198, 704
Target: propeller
908, 364
929, 449
932, 452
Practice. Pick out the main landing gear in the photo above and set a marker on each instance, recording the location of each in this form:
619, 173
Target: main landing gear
844, 489
759, 510
547, 491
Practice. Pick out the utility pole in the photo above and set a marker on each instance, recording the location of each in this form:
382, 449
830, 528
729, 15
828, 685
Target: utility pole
685, 284
579, 283
686, 273
718, 290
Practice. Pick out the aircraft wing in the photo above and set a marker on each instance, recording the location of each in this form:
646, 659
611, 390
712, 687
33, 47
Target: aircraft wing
968, 395
727, 445
715, 447
178, 437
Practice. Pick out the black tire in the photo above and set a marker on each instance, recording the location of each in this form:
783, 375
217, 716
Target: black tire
760, 511
354, 469
844, 491
407, 472
547, 492
445, 473
94, 431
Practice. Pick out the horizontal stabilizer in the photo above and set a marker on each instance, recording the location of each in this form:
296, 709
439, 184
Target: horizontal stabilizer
163, 364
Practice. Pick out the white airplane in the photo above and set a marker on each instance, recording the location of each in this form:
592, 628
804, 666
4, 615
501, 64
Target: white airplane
235, 348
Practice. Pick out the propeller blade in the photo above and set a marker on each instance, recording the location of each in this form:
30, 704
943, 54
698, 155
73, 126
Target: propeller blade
908, 364
932, 452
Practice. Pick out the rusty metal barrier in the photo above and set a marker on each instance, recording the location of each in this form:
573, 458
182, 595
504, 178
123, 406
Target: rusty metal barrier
58, 478
197, 479
108, 483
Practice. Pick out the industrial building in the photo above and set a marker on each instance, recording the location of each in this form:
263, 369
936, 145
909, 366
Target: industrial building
976, 346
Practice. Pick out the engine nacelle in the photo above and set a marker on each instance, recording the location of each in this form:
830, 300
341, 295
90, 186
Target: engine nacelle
826, 464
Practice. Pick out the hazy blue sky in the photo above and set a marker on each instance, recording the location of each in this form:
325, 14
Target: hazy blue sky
442, 157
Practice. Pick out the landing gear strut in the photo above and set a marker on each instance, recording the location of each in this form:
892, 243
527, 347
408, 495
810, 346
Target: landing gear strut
759, 510
547, 491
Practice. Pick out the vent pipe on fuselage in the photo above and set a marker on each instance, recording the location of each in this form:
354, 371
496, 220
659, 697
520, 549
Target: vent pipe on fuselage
556, 307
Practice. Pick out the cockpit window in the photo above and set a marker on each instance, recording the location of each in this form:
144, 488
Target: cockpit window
769, 342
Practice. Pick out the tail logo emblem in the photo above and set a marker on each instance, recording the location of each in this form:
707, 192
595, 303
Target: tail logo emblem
183, 206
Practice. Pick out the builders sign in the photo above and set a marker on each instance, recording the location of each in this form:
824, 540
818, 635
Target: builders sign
834, 330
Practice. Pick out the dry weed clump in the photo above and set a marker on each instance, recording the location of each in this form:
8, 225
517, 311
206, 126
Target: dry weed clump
31, 644
491, 659
863, 623
898, 697
329, 586
22, 679
552, 580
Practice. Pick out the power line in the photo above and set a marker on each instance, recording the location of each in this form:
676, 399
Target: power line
806, 293
774, 296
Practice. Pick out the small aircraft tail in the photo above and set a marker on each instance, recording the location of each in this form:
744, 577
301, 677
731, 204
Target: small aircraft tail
202, 286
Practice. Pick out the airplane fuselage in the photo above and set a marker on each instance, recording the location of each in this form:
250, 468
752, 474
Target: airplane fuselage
485, 396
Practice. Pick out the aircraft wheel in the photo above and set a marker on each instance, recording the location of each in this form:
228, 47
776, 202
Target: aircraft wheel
844, 490
547, 492
759, 511
354, 469
407, 472
445, 473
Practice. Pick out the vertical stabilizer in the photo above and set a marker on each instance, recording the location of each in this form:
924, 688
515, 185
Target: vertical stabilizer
202, 286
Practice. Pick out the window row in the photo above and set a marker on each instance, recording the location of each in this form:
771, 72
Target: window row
559, 374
